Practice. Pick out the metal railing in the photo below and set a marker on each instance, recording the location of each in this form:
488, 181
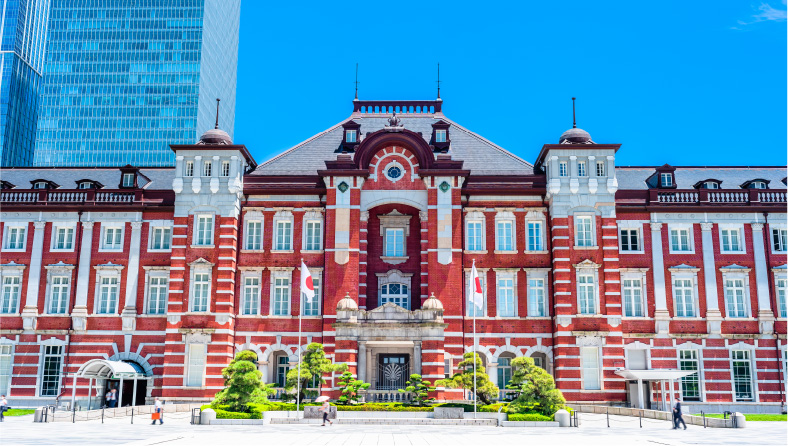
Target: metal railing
387, 396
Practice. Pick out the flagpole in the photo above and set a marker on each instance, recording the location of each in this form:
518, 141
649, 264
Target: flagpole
474, 343
298, 384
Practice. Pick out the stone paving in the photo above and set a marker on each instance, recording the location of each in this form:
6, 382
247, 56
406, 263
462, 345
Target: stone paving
176, 431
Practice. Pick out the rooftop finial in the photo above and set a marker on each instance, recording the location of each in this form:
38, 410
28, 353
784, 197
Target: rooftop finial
574, 121
217, 113
356, 81
439, 80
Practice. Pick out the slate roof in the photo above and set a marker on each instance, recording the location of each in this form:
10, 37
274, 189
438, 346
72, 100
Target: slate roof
481, 156
66, 178
634, 178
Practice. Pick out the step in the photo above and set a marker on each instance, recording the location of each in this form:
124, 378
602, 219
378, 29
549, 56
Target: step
393, 421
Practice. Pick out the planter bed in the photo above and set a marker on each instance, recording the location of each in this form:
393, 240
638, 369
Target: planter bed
529, 423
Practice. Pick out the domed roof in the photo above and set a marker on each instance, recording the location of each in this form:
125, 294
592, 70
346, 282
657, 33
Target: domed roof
216, 136
432, 303
347, 304
575, 136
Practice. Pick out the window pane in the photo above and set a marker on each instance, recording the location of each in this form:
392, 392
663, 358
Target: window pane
196, 365
395, 242
590, 363
536, 300
50, 373
535, 236
505, 297
690, 385
504, 236
10, 297
742, 375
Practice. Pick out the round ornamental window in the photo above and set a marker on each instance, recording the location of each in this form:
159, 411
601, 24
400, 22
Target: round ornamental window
394, 172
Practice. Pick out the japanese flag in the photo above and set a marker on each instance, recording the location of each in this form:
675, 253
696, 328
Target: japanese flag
307, 286
475, 288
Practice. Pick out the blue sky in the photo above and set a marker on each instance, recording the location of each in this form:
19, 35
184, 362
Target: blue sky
684, 83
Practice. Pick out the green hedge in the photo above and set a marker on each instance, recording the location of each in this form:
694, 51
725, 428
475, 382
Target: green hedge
18, 412
529, 417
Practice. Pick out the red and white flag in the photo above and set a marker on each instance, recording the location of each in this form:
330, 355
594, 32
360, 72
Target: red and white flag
307, 285
477, 295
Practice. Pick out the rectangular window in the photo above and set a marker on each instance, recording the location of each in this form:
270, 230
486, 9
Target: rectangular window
742, 375
351, 136
281, 305
600, 168
685, 301
680, 240
58, 298
781, 285
562, 169
51, 370
504, 372
312, 308
15, 237
64, 238
585, 231
202, 286
251, 303
440, 135
284, 235
128, 180
473, 309
204, 234
586, 294
225, 168
313, 236
196, 367
108, 296
503, 236
207, 167
157, 295
6, 363
505, 297
474, 236
282, 367
581, 168
113, 238
536, 298
633, 297
395, 242
735, 304
189, 170
690, 384
535, 236
10, 301
780, 239
254, 235
590, 362
731, 239
160, 238
666, 180
630, 240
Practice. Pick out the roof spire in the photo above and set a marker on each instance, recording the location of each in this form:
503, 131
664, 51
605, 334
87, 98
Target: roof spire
217, 113
574, 121
356, 81
439, 80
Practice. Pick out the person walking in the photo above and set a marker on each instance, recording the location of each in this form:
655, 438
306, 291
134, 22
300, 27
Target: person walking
3, 407
326, 409
677, 418
159, 408
112, 398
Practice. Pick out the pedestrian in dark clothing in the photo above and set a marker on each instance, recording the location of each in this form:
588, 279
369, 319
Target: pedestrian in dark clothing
3, 407
677, 418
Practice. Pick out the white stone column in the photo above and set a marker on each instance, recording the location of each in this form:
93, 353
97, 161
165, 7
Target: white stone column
80, 313
361, 370
661, 315
129, 313
417, 357
30, 310
713, 315
765, 313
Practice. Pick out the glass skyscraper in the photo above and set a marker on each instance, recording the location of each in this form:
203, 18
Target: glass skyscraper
124, 79
24, 25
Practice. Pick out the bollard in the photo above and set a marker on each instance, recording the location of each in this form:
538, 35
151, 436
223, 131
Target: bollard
562, 417
607, 413
703, 414
132, 414
102, 414
207, 415
739, 422
74, 414
640, 417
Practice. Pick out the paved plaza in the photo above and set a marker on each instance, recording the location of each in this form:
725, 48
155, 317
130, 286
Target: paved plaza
178, 432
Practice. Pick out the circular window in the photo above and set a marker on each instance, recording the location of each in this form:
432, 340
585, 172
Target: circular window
394, 172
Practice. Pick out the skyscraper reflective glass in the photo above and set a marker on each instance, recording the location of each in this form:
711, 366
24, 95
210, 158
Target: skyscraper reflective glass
24, 25
124, 80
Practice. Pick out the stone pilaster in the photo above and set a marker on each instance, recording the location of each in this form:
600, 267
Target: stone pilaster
713, 315
30, 310
765, 312
129, 313
661, 314
79, 315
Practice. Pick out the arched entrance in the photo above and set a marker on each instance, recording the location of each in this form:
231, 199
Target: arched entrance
104, 373
129, 395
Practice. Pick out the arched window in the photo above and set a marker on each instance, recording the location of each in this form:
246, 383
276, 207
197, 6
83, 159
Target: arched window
396, 293
504, 370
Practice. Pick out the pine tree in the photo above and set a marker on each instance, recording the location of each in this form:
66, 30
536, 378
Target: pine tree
420, 389
314, 365
486, 390
349, 387
536, 386
242, 384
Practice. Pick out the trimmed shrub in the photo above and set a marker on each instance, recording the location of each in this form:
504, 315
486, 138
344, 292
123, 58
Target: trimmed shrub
529, 417
486, 390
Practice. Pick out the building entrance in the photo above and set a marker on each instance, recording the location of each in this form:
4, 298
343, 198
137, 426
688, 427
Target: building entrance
393, 371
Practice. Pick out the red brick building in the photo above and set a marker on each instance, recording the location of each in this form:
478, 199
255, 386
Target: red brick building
607, 276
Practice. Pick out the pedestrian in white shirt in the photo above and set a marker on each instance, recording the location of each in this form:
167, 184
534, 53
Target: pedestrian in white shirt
159, 411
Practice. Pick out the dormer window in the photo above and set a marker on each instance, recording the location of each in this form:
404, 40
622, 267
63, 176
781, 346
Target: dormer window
663, 178
88, 184
440, 135
128, 180
351, 136
41, 185
128, 177
6, 185
666, 180
711, 185
708, 184
758, 183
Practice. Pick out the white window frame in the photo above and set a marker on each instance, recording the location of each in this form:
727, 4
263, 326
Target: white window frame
783, 234
7, 348
108, 271
698, 353
56, 227
737, 228
679, 227
666, 179
200, 266
351, 136
563, 169
207, 168
395, 220
188, 169
441, 135
197, 238
582, 170
782, 304
317, 300
711, 185
538, 218
475, 217
734, 275
630, 225
537, 274
281, 273
598, 369
58, 270
312, 217
225, 169
251, 291
590, 269
601, 169
128, 180
469, 305
282, 217
193, 368
159, 273
685, 273
15, 227
15, 272
42, 359
634, 274
593, 238
115, 227
395, 276
505, 274
750, 353
254, 218
505, 216
162, 226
